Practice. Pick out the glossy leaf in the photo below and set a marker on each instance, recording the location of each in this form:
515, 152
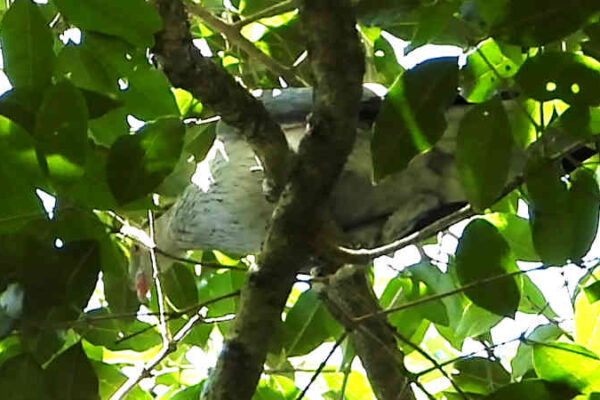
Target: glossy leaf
484, 148
27, 46
133, 20
568, 364
571, 77
487, 68
138, 163
517, 233
592, 292
411, 119
482, 254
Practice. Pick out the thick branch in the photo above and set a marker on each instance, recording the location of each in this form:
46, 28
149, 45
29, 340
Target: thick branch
348, 296
186, 68
335, 55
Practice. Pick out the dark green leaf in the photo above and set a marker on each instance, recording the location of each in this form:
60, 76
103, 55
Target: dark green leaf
199, 139
110, 379
20, 106
482, 254
411, 119
307, 325
21, 378
61, 130
27, 46
568, 364
71, 376
571, 77
483, 153
533, 389
535, 22
480, 375
190, 393
133, 20
138, 163
179, 284
564, 222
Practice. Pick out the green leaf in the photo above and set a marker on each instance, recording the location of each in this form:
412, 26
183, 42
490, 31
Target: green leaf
411, 119
102, 328
180, 286
65, 384
20, 175
568, 364
571, 77
189, 393
83, 68
149, 95
21, 378
199, 139
486, 69
532, 299
133, 20
483, 253
483, 153
517, 233
523, 361
138, 163
563, 221
592, 292
480, 375
27, 46
535, 22
110, 380
307, 325
587, 320
61, 130
533, 389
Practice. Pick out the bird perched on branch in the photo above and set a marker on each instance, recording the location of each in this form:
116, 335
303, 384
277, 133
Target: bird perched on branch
226, 209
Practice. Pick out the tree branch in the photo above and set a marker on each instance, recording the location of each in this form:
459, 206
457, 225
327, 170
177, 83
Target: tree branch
336, 59
186, 68
234, 35
348, 296
275, 9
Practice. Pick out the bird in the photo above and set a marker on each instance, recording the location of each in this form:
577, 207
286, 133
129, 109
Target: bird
225, 207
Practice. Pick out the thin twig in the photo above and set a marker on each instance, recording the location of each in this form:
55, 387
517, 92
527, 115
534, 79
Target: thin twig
276, 9
162, 327
322, 365
433, 361
235, 37
364, 256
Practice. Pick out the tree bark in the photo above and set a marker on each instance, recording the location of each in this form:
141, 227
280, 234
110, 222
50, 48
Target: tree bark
337, 64
348, 295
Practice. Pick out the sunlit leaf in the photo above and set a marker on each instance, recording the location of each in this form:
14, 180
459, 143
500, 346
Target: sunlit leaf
523, 361
412, 119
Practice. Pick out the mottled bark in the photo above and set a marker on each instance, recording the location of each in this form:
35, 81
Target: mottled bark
348, 295
186, 68
337, 63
